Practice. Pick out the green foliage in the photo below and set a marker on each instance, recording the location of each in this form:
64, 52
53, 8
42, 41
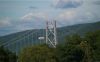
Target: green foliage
40, 53
69, 53
73, 39
7, 56
88, 56
93, 38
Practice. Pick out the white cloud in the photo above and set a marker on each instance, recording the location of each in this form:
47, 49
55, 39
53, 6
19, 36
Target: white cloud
28, 16
5, 22
68, 15
71, 17
38, 15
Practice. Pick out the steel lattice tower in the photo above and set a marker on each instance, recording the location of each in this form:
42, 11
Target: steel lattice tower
51, 33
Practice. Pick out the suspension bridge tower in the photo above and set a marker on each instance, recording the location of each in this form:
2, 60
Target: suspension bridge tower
51, 33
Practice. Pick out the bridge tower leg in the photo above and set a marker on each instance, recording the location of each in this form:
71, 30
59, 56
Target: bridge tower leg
51, 33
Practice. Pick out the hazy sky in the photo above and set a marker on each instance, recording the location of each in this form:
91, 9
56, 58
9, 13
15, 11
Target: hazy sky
19, 15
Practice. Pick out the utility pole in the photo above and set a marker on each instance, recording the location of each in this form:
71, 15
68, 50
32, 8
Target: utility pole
51, 33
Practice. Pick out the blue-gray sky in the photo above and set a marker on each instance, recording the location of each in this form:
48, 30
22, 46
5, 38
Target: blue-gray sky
19, 15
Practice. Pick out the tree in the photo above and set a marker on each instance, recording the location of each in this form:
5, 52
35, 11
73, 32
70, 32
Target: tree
93, 38
41, 53
73, 39
69, 53
7, 56
88, 56
70, 50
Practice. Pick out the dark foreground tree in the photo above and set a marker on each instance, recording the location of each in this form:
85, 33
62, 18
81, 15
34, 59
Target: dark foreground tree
93, 39
74, 39
7, 56
70, 53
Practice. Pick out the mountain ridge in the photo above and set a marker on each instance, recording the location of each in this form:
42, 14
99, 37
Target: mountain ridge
58, 27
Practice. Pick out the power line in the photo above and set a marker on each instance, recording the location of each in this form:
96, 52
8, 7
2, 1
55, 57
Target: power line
16, 38
21, 38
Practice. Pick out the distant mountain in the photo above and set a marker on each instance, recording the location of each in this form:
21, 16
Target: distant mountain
30, 37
